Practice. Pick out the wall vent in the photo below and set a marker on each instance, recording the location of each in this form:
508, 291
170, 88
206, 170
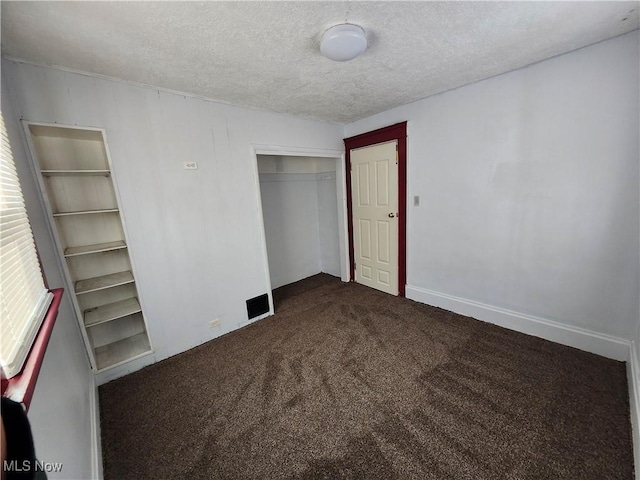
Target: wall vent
258, 306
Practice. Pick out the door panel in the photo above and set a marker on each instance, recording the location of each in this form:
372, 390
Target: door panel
365, 239
382, 180
363, 181
375, 192
384, 255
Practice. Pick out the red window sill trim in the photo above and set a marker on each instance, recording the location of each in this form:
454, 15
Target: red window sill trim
21, 387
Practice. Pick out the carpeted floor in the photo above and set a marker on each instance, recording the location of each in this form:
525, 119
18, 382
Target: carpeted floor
348, 382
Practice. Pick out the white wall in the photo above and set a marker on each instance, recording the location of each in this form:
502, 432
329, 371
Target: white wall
194, 235
61, 409
528, 186
328, 222
637, 345
633, 377
290, 210
300, 210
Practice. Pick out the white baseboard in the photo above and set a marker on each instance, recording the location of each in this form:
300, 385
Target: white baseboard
633, 378
583, 339
96, 447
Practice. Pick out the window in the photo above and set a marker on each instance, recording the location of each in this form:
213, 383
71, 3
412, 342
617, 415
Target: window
24, 298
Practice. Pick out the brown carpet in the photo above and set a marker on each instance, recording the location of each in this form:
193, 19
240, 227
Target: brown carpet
348, 382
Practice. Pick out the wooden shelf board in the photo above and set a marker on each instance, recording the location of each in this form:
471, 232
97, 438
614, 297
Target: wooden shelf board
95, 248
122, 351
85, 212
111, 311
75, 173
105, 281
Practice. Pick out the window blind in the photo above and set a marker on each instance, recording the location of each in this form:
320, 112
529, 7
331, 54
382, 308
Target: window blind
24, 299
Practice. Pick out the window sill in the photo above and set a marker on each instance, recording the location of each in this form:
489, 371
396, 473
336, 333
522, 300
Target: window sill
21, 387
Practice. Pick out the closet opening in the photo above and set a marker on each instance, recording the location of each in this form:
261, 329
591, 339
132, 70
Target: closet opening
303, 212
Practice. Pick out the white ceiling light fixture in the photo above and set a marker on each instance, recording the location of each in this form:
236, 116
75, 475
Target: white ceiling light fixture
343, 42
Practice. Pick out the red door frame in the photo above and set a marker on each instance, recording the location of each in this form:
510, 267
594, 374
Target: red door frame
393, 132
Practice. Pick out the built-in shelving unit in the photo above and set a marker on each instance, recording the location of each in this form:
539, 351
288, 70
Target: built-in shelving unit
78, 189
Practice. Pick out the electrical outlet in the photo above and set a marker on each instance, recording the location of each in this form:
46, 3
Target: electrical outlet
190, 166
416, 201
214, 323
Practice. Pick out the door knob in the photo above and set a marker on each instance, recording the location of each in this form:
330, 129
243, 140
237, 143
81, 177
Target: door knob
392, 215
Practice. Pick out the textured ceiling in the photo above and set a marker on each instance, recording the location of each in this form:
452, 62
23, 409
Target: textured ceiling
266, 54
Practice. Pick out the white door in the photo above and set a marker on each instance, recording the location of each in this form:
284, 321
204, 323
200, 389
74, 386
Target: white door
374, 187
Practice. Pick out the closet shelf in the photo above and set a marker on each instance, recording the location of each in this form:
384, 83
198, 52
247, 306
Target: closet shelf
105, 281
75, 173
111, 311
95, 248
85, 212
125, 350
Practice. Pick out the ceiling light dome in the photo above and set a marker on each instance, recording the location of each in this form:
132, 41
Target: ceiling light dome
343, 42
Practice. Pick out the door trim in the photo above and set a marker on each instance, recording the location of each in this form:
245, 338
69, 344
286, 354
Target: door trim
396, 132
263, 149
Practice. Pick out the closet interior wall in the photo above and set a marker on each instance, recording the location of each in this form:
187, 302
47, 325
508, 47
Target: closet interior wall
300, 209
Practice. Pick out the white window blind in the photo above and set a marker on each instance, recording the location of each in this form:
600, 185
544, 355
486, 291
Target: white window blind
24, 300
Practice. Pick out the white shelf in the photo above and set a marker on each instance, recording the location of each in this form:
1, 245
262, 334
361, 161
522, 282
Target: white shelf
122, 351
105, 281
85, 212
95, 248
111, 311
76, 173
